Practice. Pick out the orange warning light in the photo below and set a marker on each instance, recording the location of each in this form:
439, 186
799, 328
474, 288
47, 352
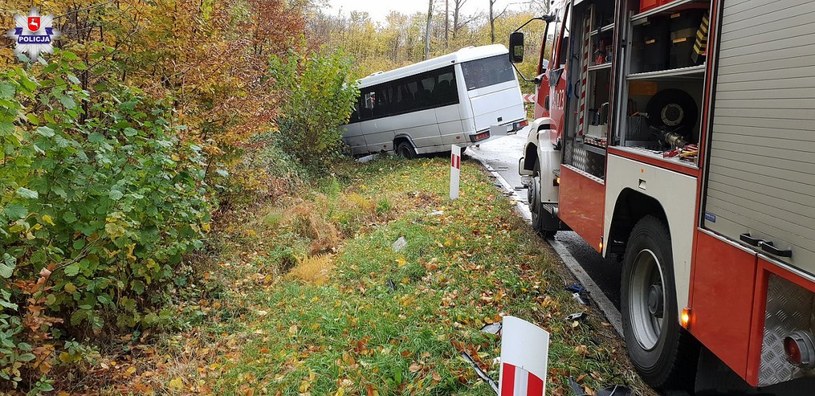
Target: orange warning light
684, 318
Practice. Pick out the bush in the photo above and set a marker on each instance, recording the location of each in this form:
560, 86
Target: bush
99, 201
264, 172
319, 101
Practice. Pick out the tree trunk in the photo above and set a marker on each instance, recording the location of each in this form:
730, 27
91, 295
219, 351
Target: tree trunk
492, 23
457, 4
427, 29
446, 22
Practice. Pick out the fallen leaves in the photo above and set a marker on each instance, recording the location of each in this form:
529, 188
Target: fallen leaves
354, 334
176, 384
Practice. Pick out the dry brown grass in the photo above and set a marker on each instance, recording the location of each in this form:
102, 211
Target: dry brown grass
314, 269
305, 219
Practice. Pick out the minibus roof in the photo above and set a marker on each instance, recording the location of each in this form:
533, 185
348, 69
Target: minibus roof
462, 55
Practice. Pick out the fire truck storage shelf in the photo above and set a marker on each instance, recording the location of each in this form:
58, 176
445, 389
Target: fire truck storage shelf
603, 29
665, 71
661, 93
691, 72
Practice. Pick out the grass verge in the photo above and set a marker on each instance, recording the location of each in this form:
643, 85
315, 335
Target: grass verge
313, 299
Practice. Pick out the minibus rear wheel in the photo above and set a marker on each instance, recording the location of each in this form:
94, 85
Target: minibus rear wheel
405, 149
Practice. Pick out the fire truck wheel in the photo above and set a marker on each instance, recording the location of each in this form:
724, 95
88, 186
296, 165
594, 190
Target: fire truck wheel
663, 353
543, 222
405, 149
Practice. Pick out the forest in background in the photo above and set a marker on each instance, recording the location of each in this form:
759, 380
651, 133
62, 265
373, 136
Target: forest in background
405, 39
126, 149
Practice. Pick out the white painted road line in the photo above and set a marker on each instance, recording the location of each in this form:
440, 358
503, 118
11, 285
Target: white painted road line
605, 305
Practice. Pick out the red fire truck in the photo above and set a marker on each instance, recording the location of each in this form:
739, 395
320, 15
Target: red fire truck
679, 136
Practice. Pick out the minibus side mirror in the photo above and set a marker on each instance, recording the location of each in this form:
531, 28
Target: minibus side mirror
516, 47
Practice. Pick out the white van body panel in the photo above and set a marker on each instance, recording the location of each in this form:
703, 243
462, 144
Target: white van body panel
421, 126
355, 139
497, 104
434, 129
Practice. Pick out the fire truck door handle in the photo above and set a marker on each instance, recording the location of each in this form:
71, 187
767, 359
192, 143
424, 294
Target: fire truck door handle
746, 238
768, 247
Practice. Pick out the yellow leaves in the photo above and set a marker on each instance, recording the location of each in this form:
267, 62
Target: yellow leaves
130, 255
130, 371
400, 262
305, 385
176, 384
48, 220
407, 300
581, 350
69, 287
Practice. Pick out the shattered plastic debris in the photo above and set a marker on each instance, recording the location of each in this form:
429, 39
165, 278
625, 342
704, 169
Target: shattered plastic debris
579, 293
576, 316
481, 374
576, 288
367, 158
399, 244
492, 328
579, 298
616, 390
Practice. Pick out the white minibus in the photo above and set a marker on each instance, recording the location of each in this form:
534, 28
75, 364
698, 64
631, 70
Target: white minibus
461, 98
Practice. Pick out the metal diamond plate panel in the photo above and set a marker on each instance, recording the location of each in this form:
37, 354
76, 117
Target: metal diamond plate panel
579, 159
789, 308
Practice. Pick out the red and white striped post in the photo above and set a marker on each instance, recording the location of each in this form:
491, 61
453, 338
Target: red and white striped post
455, 170
524, 358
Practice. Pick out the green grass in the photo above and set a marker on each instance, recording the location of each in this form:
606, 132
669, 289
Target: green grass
353, 332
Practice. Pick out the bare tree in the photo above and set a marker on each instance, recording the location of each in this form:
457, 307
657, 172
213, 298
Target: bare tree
427, 29
459, 21
493, 17
539, 7
446, 22
492, 22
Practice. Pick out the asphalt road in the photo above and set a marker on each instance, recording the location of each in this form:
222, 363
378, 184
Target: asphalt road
502, 155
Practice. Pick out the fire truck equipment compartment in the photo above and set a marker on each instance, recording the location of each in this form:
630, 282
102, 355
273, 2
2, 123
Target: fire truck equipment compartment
684, 27
673, 108
646, 5
655, 45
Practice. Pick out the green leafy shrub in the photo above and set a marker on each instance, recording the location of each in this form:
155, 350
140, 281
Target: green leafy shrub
264, 172
319, 101
99, 202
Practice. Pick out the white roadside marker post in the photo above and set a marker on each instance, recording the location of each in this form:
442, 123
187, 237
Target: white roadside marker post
524, 358
455, 170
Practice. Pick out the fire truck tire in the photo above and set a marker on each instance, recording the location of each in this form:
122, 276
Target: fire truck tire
662, 351
543, 222
405, 149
